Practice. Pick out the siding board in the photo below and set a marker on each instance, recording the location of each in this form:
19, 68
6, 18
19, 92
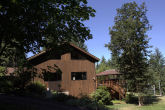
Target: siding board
68, 65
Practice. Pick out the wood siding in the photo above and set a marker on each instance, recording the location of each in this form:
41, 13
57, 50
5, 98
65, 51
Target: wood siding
68, 65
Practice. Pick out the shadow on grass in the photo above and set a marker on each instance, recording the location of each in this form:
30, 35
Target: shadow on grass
151, 100
9, 106
147, 100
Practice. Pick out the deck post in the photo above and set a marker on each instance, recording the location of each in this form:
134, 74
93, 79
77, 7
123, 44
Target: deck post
96, 83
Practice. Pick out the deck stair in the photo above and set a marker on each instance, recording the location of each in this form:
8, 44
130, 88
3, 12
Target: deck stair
113, 86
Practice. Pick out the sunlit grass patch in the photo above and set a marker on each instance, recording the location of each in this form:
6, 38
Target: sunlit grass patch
159, 105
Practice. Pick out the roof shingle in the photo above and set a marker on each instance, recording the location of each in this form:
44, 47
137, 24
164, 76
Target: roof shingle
108, 72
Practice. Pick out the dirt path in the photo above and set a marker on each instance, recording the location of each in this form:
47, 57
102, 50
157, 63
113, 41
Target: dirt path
38, 104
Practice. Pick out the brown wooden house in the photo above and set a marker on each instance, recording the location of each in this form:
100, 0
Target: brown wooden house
67, 68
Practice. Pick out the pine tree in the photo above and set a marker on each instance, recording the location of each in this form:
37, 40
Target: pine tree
157, 63
129, 44
80, 44
102, 66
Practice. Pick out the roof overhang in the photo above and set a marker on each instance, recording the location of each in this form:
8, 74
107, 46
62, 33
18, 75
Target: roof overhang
72, 45
109, 72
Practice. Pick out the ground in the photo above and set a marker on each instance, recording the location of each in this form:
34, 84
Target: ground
26, 103
158, 105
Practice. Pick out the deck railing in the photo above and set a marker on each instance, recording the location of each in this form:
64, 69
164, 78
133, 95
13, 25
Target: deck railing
115, 85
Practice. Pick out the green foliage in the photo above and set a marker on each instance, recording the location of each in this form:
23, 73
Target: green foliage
31, 24
129, 44
131, 99
2, 71
36, 89
111, 64
95, 106
85, 100
80, 44
159, 104
6, 84
72, 102
60, 97
102, 96
23, 77
105, 65
102, 66
86, 103
117, 101
156, 69
16, 83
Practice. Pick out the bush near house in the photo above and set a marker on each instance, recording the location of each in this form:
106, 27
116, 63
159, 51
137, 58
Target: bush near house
35, 89
61, 97
102, 96
85, 102
7, 84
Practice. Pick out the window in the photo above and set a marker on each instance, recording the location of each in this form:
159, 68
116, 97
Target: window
78, 76
48, 76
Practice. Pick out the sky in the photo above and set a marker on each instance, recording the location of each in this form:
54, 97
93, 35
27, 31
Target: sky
105, 13
104, 18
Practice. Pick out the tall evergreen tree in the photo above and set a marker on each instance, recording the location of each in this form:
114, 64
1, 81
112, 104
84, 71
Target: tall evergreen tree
129, 44
80, 44
102, 66
157, 63
111, 64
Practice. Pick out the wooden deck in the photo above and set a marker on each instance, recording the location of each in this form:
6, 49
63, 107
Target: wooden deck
115, 88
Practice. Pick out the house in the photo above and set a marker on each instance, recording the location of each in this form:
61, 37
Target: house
67, 68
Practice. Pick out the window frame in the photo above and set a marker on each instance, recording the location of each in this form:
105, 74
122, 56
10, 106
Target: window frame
83, 76
57, 76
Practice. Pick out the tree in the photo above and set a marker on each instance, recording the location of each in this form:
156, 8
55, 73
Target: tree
80, 44
102, 66
31, 24
157, 63
111, 64
129, 44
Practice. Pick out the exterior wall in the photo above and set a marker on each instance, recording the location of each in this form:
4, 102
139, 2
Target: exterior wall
68, 65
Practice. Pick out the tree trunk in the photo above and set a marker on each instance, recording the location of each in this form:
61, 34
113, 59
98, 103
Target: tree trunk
154, 90
160, 91
140, 100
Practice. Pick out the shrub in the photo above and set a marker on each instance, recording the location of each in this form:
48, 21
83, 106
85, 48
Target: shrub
86, 103
131, 99
85, 100
102, 96
6, 84
72, 102
36, 89
61, 97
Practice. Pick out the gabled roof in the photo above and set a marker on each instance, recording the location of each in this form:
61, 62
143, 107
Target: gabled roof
108, 72
72, 45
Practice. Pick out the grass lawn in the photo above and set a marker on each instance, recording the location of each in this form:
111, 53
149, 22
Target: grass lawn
120, 105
